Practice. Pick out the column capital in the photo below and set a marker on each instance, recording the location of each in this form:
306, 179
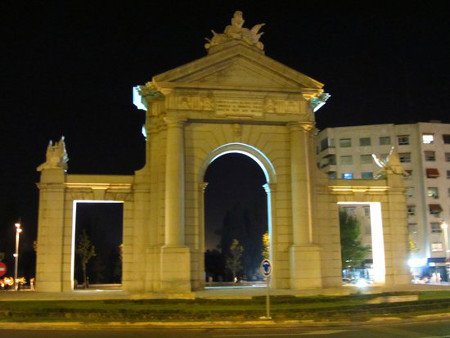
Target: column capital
301, 126
175, 121
203, 186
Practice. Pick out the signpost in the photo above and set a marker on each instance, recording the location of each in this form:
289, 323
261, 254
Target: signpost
266, 270
3, 269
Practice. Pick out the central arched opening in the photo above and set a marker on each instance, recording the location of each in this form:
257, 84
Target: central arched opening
237, 222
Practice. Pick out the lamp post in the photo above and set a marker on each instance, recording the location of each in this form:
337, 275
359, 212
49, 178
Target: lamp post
16, 255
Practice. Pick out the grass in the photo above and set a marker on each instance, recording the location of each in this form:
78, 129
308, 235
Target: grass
353, 307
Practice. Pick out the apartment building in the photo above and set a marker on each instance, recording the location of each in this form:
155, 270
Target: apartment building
424, 150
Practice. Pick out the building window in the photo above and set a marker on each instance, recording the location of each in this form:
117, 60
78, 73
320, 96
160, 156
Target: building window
448, 174
433, 192
350, 211
432, 173
385, 140
446, 138
411, 210
435, 209
325, 144
409, 172
366, 159
347, 176
448, 192
404, 157
427, 138
366, 211
332, 175
412, 228
409, 191
367, 175
345, 160
430, 155
403, 140
436, 246
436, 227
364, 141
345, 142
447, 157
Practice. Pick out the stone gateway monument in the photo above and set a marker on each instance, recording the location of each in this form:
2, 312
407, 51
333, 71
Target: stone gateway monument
233, 100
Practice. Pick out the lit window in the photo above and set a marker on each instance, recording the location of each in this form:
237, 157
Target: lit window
347, 176
430, 155
433, 192
428, 138
436, 227
364, 141
446, 138
411, 210
447, 157
366, 159
436, 246
348, 159
404, 157
367, 175
403, 140
345, 142
385, 140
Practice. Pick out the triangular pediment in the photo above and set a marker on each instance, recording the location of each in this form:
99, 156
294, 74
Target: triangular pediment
240, 67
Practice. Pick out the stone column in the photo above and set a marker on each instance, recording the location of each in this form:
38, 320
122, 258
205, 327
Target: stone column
175, 257
174, 199
305, 257
50, 272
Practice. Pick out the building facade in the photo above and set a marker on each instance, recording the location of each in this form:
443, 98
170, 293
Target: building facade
424, 151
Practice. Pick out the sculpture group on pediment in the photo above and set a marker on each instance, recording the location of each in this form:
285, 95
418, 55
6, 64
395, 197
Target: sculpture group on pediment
236, 31
56, 156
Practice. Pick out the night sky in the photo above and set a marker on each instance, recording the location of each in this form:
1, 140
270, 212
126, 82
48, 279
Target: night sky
68, 68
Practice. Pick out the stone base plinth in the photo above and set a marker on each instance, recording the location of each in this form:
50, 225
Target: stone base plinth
305, 267
175, 269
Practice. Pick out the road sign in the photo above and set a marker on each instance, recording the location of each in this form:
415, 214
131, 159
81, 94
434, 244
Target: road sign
266, 267
3, 269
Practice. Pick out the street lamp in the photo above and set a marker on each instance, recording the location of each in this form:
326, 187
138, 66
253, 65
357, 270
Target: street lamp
16, 254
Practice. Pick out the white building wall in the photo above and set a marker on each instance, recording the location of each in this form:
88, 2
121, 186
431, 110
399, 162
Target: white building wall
343, 152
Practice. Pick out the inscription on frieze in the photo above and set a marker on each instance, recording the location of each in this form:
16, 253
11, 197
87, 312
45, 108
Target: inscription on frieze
239, 107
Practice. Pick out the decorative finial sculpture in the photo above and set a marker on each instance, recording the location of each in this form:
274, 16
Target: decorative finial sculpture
235, 31
56, 156
391, 165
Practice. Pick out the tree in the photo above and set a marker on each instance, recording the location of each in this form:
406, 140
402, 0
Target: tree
353, 252
85, 250
266, 245
233, 261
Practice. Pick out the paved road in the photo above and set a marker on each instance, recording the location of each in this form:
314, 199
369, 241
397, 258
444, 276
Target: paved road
424, 329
